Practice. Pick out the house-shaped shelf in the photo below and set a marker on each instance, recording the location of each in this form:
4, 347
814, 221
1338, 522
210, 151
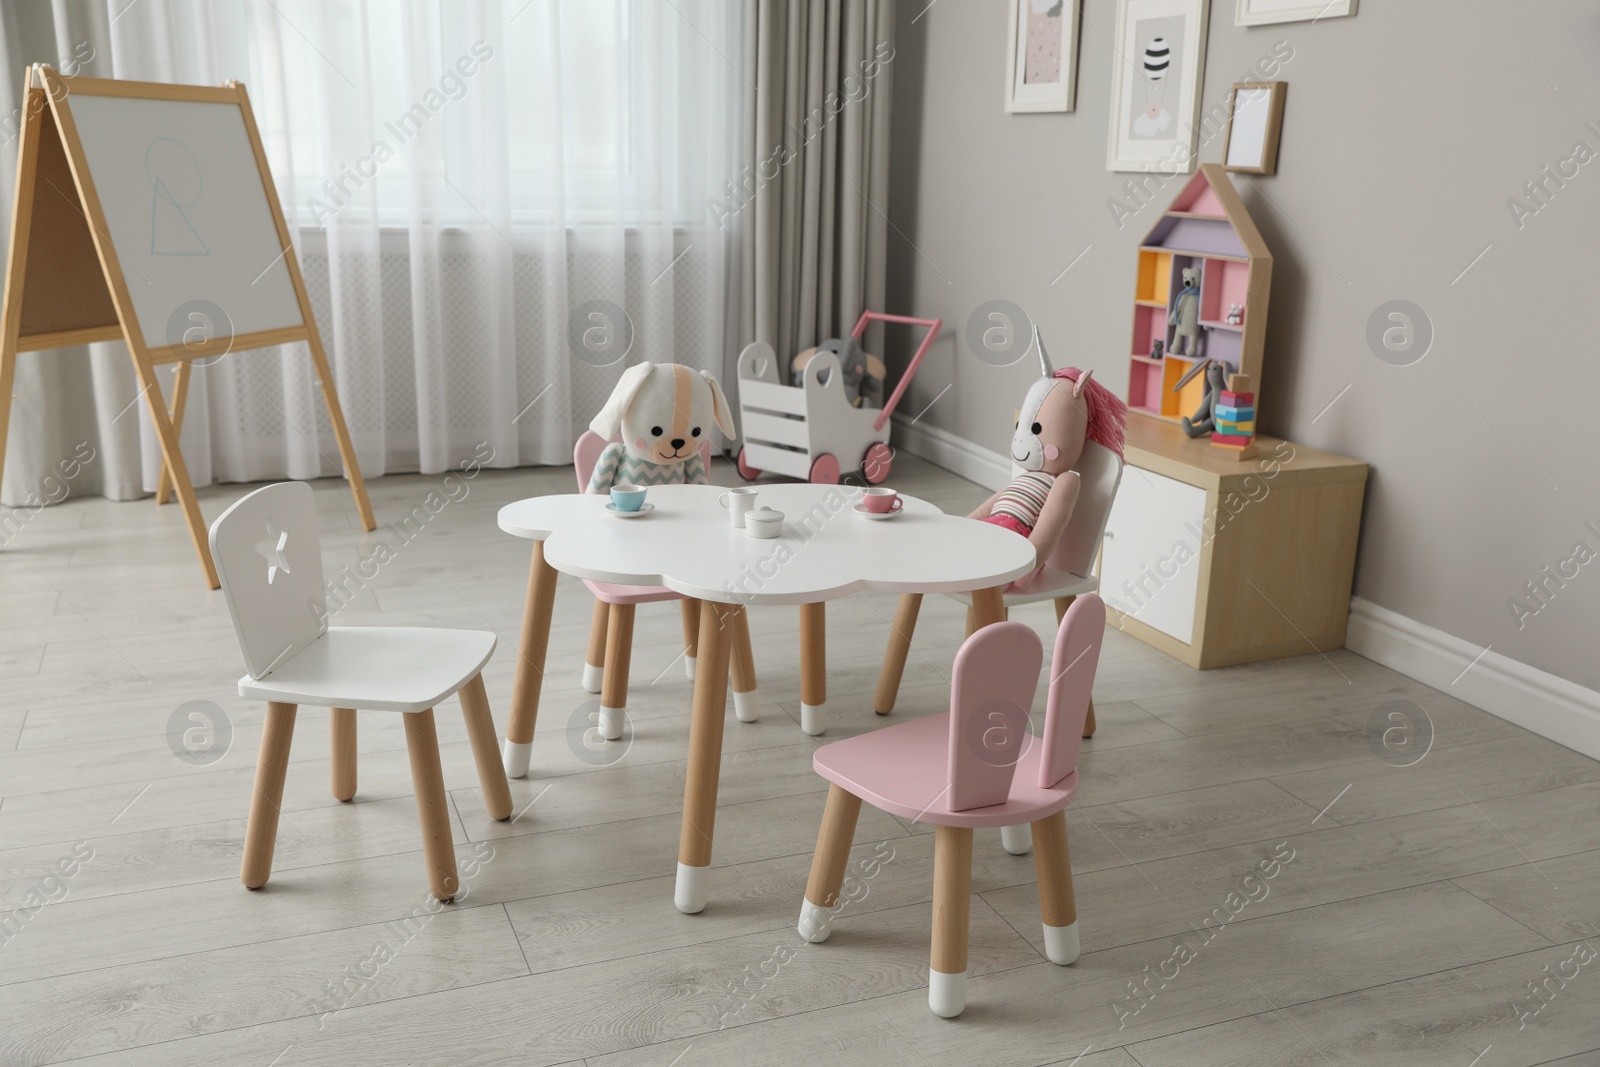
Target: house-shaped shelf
1207, 227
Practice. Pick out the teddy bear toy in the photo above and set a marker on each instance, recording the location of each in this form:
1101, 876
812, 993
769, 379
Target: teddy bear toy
663, 412
859, 369
1062, 410
1185, 316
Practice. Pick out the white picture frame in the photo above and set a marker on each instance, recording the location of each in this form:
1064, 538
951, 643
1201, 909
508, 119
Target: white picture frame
1269, 12
1029, 26
1158, 68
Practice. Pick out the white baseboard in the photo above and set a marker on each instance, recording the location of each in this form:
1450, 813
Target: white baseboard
992, 470
1536, 700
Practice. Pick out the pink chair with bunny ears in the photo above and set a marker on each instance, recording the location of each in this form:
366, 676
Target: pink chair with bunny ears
605, 667
977, 765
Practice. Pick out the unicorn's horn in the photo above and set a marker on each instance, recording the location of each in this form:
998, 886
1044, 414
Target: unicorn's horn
1045, 370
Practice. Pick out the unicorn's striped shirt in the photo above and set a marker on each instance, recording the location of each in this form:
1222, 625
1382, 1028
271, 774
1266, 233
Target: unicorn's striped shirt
617, 467
1024, 498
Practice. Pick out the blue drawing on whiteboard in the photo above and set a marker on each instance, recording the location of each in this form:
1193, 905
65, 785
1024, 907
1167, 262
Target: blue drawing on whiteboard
175, 187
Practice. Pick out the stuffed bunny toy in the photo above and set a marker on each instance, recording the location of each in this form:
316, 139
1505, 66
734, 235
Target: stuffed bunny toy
858, 368
663, 411
1061, 411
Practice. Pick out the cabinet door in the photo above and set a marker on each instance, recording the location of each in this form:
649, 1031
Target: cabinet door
1150, 563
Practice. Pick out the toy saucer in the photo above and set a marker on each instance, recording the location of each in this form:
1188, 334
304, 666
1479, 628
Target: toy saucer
644, 509
877, 516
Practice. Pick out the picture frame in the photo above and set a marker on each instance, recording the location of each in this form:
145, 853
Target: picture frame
1268, 12
1042, 55
1158, 68
1255, 125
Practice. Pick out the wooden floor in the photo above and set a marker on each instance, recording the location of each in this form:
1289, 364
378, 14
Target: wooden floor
1419, 904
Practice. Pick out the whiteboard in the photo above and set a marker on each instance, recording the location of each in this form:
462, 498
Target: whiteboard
189, 217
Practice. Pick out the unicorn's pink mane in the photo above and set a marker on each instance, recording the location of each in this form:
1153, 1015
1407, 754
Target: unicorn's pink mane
1107, 415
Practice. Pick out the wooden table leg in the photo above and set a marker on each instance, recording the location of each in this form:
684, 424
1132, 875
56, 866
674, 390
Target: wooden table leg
988, 607
814, 668
894, 657
705, 756
344, 752
266, 802
742, 667
530, 664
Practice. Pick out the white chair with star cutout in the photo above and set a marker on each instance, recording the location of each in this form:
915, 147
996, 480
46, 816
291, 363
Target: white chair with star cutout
269, 558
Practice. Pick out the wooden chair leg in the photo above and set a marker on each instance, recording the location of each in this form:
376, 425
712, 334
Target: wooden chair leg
742, 668
972, 620
1062, 604
343, 725
894, 657
480, 729
594, 660
813, 668
952, 904
614, 687
266, 802
828, 863
690, 609
1057, 905
433, 805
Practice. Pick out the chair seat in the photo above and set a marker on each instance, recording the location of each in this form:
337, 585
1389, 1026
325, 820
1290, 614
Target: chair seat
904, 770
611, 593
376, 668
1048, 584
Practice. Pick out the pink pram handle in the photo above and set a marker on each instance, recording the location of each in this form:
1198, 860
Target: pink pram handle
934, 325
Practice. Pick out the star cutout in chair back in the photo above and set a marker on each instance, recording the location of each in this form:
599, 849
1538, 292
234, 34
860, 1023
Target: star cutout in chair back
272, 548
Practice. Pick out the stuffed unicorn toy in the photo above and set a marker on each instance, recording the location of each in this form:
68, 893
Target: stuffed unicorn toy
663, 411
1062, 410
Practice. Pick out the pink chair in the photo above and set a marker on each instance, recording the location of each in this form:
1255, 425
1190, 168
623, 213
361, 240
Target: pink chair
976, 765
605, 669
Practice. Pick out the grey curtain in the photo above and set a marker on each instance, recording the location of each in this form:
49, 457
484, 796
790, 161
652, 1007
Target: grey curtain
818, 83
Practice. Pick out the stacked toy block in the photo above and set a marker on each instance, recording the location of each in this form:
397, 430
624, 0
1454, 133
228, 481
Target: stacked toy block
1235, 418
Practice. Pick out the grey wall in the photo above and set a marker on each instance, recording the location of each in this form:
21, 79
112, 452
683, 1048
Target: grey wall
1408, 128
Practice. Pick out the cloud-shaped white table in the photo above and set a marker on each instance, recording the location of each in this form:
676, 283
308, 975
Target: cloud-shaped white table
826, 551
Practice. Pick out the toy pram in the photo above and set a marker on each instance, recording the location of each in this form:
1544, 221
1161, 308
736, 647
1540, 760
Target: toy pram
812, 431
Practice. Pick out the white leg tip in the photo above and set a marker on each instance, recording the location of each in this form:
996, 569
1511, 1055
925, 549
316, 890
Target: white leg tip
690, 892
947, 993
1061, 943
688, 667
816, 922
611, 720
747, 706
515, 757
592, 677
813, 719
1017, 840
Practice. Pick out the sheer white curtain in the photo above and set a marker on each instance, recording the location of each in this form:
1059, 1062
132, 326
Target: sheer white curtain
492, 201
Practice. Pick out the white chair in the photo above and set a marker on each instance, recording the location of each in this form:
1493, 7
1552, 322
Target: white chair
270, 562
605, 668
1068, 573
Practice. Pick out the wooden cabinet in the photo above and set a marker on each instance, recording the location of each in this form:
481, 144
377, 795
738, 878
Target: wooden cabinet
1216, 561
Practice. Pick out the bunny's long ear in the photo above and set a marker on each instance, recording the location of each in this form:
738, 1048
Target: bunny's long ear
719, 407
1082, 383
609, 420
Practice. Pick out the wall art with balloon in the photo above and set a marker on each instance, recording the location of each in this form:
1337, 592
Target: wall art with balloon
1157, 72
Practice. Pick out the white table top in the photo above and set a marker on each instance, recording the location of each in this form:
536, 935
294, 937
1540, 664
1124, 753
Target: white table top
825, 551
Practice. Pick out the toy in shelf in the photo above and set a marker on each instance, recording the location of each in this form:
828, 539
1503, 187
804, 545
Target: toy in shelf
1234, 417
1204, 238
1216, 380
1062, 410
1185, 316
663, 412
1155, 349
861, 372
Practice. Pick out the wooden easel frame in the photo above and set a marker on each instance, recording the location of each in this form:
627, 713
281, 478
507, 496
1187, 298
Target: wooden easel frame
72, 310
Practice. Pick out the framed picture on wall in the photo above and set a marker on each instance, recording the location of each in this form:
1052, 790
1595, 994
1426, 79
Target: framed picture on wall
1255, 122
1266, 12
1042, 55
1158, 62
